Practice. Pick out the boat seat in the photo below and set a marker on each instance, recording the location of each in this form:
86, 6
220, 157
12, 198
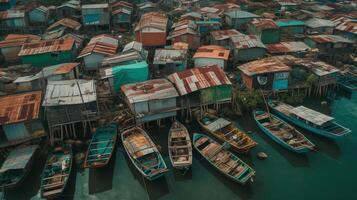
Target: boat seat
52, 186
52, 192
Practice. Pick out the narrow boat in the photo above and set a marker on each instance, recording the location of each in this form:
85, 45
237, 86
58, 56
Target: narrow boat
180, 147
143, 153
348, 82
309, 119
101, 147
225, 131
282, 133
17, 166
222, 159
56, 172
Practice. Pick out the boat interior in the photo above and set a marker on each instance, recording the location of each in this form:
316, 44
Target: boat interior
180, 147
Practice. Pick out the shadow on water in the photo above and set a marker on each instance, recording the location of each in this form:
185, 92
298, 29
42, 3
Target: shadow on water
101, 179
182, 175
68, 193
242, 191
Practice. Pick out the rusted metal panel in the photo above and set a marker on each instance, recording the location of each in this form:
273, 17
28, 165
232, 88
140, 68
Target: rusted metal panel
212, 51
47, 46
263, 66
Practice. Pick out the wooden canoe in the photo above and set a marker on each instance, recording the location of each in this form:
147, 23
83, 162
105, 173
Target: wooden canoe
101, 147
224, 130
143, 153
223, 160
180, 146
56, 172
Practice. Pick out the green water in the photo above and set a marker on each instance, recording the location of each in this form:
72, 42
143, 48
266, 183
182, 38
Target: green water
329, 173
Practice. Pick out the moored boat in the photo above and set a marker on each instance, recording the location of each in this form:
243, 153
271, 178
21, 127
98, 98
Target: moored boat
225, 131
101, 147
56, 172
309, 119
282, 133
180, 146
222, 159
143, 153
17, 166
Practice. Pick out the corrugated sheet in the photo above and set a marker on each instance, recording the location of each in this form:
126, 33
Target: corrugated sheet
318, 22
240, 14
224, 34
134, 45
66, 22
287, 47
264, 24
20, 107
47, 46
195, 79
154, 89
10, 14
102, 44
246, 42
345, 24
152, 19
95, 6
180, 45
67, 92
182, 30
263, 66
329, 39
311, 115
18, 158
212, 51
13, 40
164, 56
122, 57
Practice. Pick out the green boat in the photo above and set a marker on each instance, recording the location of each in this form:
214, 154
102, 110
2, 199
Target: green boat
17, 166
222, 159
101, 147
56, 172
309, 119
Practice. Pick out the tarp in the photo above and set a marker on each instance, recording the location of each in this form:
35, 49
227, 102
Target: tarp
131, 73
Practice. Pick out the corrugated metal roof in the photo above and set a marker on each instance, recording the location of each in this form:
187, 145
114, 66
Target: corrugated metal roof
152, 19
10, 14
318, 22
122, 57
246, 42
155, 89
46, 46
110, 71
164, 56
345, 24
13, 40
263, 66
330, 39
194, 79
95, 6
102, 44
212, 51
287, 47
20, 107
224, 34
134, 45
59, 93
121, 6
264, 24
240, 14
180, 45
181, 31
66, 22
311, 115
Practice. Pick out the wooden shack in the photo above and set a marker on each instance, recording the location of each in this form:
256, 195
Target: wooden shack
211, 55
265, 29
247, 47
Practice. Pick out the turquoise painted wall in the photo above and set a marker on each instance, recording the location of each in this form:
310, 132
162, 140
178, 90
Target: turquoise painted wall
47, 59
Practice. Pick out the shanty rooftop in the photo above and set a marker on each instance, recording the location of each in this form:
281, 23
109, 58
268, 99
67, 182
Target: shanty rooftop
224, 34
14, 40
20, 107
181, 31
287, 47
194, 79
102, 44
69, 92
122, 58
95, 6
319, 68
329, 39
212, 51
46, 46
263, 24
289, 22
246, 42
318, 22
346, 24
18, 158
11, 14
164, 56
263, 66
180, 45
240, 14
65, 22
154, 89
152, 19
311, 115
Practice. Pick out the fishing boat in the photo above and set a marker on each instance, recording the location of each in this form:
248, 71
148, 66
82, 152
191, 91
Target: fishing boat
143, 153
101, 147
17, 166
56, 172
222, 159
309, 119
225, 131
180, 147
282, 133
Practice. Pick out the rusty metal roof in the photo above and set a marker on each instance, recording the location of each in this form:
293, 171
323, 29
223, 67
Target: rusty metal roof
180, 45
263, 66
263, 24
224, 34
102, 44
155, 89
152, 19
287, 47
13, 40
20, 107
198, 78
181, 31
329, 39
65, 68
66, 22
246, 42
212, 51
345, 24
164, 56
46, 46
10, 14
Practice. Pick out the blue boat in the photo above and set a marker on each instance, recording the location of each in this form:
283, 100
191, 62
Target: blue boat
222, 159
309, 119
143, 153
282, 133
